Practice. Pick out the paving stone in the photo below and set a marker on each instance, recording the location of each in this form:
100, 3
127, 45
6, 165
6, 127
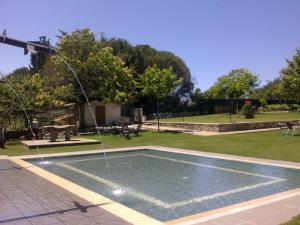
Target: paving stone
27, 199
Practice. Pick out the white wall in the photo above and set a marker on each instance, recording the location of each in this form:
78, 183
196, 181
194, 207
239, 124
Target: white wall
88, 118
112, 112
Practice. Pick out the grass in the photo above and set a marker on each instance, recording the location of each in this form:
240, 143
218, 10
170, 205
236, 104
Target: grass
224, 118
268, 145
294, 221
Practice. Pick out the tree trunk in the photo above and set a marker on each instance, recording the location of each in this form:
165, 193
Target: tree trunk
230, 111
2, 137
237, 108
158, 115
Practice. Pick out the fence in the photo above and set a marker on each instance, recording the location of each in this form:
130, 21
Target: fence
208, 106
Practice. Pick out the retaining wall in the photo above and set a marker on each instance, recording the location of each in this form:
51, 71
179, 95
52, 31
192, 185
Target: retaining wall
225, 127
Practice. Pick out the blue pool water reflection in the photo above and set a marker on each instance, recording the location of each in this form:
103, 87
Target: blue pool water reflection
167, 185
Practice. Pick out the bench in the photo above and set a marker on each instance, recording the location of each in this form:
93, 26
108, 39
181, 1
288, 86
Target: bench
55, 130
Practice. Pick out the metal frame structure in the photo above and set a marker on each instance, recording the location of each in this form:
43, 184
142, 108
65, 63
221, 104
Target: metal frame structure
28, 46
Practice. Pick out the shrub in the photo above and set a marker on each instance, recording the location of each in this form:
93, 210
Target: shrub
294, 107
274, 108
263, 102
278, 107
262, 109
248, 111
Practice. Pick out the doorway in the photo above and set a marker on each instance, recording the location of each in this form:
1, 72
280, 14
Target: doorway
100, 115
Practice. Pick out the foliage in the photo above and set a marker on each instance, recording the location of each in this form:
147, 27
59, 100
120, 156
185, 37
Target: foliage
235, 84
22, 93
19, 73
38, 59
273, 90
158, 83
274, 108
103, 75
248, 111
140, 57
197, 95
263, 102
294, 107
291, 77
6, 107
30, 90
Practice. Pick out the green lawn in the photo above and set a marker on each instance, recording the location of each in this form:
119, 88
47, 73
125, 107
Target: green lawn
224, 118
294, 221
269, 145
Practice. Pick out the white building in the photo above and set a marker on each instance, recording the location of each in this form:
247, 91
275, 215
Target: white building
104, 113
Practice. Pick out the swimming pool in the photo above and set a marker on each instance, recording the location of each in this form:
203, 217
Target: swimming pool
168, 185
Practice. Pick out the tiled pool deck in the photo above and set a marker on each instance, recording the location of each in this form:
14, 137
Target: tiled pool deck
28, 199
29, 195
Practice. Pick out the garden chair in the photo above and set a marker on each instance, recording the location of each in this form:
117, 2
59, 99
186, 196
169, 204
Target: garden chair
136, 130
292, 128
283, 127
125, 132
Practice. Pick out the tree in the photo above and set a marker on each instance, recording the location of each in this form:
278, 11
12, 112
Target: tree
140, 57
235, 84
38, 59
6, 109
291, 77
273, 90
103, 75
20, 94
197, 95
158, 83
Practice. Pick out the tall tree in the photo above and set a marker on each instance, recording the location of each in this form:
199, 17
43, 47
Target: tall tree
197, 95
20, 95
291, 77
139, 57
273, 90
103, 75
38, 59
235, 84
6, 109
158, 83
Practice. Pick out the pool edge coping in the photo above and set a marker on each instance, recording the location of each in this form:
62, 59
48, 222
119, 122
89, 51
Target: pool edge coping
269, 162
133, 214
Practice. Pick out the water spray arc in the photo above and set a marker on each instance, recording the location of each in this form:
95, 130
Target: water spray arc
27, 118
89, 106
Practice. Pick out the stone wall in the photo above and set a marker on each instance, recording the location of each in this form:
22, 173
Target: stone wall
224, 127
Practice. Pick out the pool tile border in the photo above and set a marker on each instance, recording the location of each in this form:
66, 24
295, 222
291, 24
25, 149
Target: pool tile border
138, 218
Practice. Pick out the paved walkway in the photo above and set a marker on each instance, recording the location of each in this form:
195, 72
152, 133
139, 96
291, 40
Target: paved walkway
272, 214
203, 133
27, 199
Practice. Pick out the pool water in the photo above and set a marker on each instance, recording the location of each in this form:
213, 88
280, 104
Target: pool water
167, 185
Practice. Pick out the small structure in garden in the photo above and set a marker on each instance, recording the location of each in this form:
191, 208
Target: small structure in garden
55, 130
105, 114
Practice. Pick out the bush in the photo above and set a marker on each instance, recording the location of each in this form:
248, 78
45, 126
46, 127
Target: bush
263, 103
248, 111
274, 108
278, 107
294, 107
262, 109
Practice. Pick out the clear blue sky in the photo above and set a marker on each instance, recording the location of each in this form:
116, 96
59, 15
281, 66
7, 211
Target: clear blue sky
211, 36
